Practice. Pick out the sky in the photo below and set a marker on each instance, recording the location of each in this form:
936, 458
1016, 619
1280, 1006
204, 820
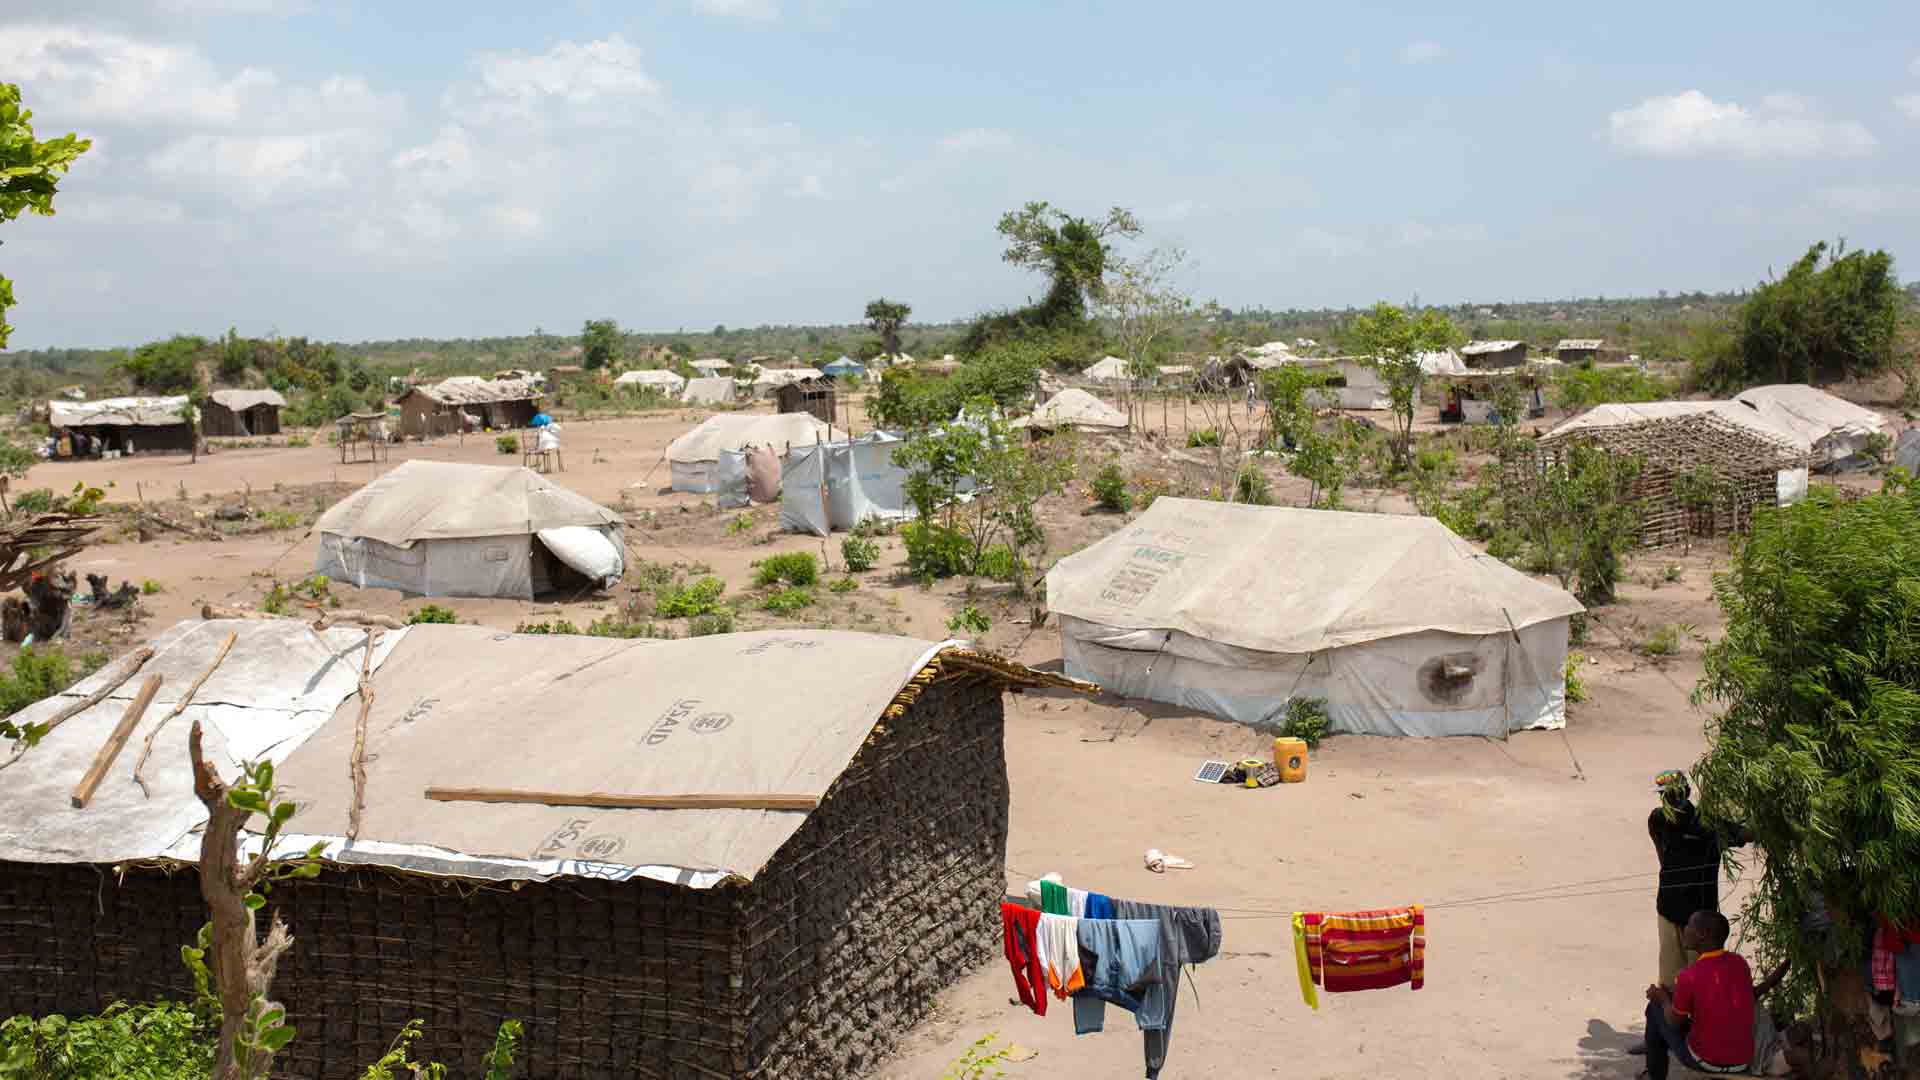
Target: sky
362, 170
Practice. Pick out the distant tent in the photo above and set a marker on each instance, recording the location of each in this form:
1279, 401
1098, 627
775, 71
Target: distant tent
1400, 625
436, 528
711, 390
1836, 429
664, 381
837, 485
844, 368
1107, 369
712, 365
1077, 409
694, 458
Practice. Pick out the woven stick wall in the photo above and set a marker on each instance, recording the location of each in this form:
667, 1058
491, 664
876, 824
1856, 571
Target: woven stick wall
1745, 463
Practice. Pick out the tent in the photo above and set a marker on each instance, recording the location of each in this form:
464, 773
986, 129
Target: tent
1836, 429
844, 368
435, 528
665, 382
1906, 452
837, 485
695, 456
711, 390
1403, 627
1077, 409
712, 365
1107, 369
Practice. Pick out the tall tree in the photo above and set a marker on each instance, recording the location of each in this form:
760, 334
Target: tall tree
885, 317
30, 172
1393, 342
600, 342
1832, 316
1071, 251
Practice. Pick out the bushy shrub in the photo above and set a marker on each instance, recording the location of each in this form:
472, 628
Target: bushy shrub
1203, 437
431, 613
718, 622
788, 601
34, 501
160, 1041
1110, 489
557, 626
969, 620
151, 587
1576, 686
998, 563
1251, 487
935, 551
859, 553
843, 585
507, 444
795, 568
37, 673
1306, 719
700, 597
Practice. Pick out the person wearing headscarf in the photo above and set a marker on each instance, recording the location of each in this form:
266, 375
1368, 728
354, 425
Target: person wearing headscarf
1689, 855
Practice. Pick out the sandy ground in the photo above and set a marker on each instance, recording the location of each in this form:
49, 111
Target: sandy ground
1531, 854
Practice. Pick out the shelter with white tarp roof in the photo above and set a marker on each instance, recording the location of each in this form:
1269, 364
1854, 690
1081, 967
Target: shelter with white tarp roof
709, 390
666, 382
787, 841
1108, 369
694, 457
1834, 428
123, 424
1073, 408
1403, 627
434, 528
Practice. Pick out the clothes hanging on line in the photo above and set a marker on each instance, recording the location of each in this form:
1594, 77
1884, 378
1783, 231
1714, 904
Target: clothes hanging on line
1059, 937
1099, 906
1896, 963
1188, 935
1077, 903
1121, 958
1347, 952
1053, 898
1020, 925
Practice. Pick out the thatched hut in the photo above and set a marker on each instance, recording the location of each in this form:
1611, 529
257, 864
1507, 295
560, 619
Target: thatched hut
704, 942
123, 425
242, 412
502, 405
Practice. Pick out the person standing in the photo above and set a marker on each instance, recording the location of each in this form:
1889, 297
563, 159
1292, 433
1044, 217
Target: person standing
1689, 855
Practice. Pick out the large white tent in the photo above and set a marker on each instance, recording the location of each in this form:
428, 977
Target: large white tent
694, 457
435, 528
709, 390
1834, 428
666, 382
1077, 409
1108, 369
1403, 627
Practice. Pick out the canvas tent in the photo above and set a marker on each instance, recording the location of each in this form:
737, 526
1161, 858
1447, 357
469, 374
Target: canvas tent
712, 365
1403, 627
694, 457
1767, 437
780, 942
711, 390
1834, 428
435, 528
837, 485
665, 382
1074, 408
1107, 369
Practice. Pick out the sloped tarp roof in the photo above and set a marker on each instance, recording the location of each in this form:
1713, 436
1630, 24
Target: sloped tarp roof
1284, 580
1767, 423
1107, 369
440, 500
459, 391
1815, 414
651, 377
118, 412
1476, 348
733, 431
242, 400
711, 390
779, 712
1073, 407
1581, 343
773, 377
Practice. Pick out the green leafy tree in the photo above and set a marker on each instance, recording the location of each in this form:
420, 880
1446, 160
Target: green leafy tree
1144, 306
30, 172
885, 317
600, 343
1393, 341
1815, 748
1833, 315
1071, 251
167, 367
1578, 513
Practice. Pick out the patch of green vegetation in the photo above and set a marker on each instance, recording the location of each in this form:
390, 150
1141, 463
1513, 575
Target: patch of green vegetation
165, 1040
788, 601
507, 444
700, 597
1202, 438
1576, 686
1110, 489
719, 622
859, 553
431, 613
969, 620
843, 585
1306, 719
151, 587
798, 568
557, 626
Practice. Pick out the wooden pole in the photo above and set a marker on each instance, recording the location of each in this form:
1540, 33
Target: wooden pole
135, 659
646, 802
146, 748
102, 761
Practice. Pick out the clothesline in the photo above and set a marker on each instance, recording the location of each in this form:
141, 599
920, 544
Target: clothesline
1537, 893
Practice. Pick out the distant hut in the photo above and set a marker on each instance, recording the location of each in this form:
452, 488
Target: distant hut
1583, 351
845, 368
712, 365
654, 379
814, 397
719, 942
1493, 354
437, 409
242, 412
123, 425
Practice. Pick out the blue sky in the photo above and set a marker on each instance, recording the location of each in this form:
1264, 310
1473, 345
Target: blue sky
371, 170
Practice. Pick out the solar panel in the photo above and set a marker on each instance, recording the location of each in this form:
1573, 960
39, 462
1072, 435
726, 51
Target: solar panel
1210, 772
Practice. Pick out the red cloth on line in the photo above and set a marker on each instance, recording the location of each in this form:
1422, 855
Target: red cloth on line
1367, 950
1889, 941
1019, 925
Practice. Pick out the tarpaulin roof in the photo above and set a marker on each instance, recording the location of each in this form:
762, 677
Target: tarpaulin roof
1769, 423
772, 712
1475, 348
1581, 343
242, 400
665, 379
118, 412
1073, 407
782, 376
732, 431
1815, 414
711, 390
460, 391
1284, 580
439, 500
1107, 369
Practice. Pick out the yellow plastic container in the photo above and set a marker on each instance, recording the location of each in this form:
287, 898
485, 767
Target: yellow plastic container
1290, 757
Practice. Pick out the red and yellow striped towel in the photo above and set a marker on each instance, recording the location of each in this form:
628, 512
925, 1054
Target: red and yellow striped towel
1361, 950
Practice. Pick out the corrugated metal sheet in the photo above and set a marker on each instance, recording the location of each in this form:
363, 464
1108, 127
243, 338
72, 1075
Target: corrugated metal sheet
1581, 343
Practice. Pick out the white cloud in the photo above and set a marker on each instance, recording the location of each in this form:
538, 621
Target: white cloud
120, 209
1872, 200
1314, 241
750, 10
263, 168
1422, 52
1908, 104
517, 219
597, 83
809, 186
1691, 124
1177, 210
233, 7
110, 78
976, 140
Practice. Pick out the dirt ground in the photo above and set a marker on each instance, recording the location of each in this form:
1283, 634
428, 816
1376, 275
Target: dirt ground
1531, 853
